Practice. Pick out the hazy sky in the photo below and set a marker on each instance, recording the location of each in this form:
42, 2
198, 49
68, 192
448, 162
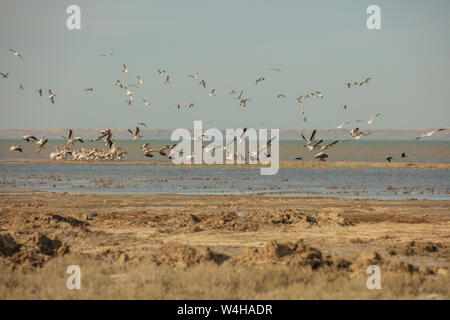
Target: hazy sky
319, 45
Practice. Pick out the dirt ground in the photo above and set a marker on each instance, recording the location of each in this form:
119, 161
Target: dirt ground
221, 247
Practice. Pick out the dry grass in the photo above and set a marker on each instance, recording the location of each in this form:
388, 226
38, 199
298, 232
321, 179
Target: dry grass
144, 280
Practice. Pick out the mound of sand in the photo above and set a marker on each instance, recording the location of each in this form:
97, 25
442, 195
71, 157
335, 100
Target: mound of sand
37, 250
175, 254
293, 254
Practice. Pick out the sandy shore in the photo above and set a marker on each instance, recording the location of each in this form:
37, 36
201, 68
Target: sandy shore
283, 164
192, 246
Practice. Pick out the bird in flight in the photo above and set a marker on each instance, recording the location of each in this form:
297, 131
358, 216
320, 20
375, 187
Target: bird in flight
280, 95
29, 138
203, 83
259, 80
42, 142
147, 103
275, 69
357, 134
194, 76
89, 89
143, 124
136, 134
429, 134
20, 86
140, 80
244, 102
212, 93
4, 75
125, 68
371, 120
15, 148
311, 140
344, 106
39, 91
167, 81
51, 95
71, 139
161, 73
16, 53
106, 55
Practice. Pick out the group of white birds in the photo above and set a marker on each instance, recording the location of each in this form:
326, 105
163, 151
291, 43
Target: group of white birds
114, 152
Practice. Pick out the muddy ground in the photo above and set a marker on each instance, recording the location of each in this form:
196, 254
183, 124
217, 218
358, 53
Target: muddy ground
229, 247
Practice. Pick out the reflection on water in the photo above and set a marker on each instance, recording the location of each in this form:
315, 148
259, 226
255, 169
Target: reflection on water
382, 183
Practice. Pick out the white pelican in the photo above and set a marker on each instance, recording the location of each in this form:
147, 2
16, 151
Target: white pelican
429, 134
371, 120
17, 54
15, 148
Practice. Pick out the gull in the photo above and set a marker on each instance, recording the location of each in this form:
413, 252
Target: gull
315, 146
39, 91
4, 75
88, 89
242, 137
429, 134
280, 95
29, 138
203, 83
275, 69
365, 81
167, 81
20, 86
240, 95
136, 135
212, 93
140, 80
143, 124
319, 94
340, 126
147, 103
311, 140
244, 102
130, 100
51, 95
119, 84
389, 158
371, 120
191, 104
357, 134
15, 148
194, 76
125, 69
17, 54
321, 156
325, 147
41, 144
161, 73
147, 150
299, 99
163, 151
106, 55
344, 106
259, 80
178, 105
348, 84
233, 92
129, 92
71, 140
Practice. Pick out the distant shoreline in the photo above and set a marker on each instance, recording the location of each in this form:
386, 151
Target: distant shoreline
283, 164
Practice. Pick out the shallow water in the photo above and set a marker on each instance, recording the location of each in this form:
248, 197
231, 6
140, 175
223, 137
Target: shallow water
380, 183
416, 151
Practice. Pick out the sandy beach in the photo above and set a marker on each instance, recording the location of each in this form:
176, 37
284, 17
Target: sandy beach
221, 247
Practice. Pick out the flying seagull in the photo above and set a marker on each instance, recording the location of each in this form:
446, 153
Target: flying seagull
275, 69
147, 103
259, 80
125, 69
357, 134
4, 75
15, 148
51, 95
136, 135
39, 91
140, 80
212, 93
143, 124
29, 138
371, 120
203, 83
42, 142
429, 134
161, 73
71, 139
17, 54
280, 95
311, 140
106, 55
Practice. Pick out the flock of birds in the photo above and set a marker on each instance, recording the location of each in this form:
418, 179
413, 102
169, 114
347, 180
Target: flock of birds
112, 151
